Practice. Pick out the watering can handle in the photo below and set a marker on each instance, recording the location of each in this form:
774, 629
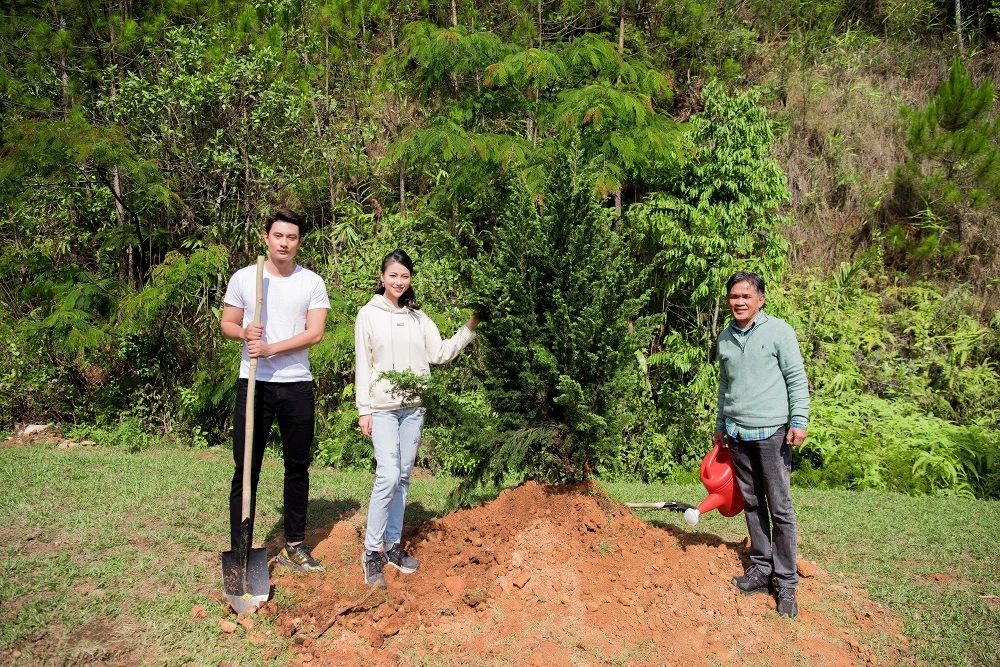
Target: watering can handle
708, 462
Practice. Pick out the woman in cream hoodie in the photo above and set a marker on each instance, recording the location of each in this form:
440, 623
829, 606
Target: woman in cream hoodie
393, 334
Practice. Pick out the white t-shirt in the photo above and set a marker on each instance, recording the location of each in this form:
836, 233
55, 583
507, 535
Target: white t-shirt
286, 302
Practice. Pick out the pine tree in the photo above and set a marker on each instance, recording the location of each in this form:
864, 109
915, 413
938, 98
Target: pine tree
562, 291
496, 105
946, 194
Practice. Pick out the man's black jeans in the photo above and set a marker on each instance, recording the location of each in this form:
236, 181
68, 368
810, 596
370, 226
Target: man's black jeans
763, 471
293, 405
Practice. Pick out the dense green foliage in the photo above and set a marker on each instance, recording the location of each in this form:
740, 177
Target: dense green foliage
906, 395
141, 145
719, 215
562, 293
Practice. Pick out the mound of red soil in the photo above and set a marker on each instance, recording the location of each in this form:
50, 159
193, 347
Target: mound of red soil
564, 576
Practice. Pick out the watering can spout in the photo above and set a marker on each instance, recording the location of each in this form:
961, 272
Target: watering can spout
714, 501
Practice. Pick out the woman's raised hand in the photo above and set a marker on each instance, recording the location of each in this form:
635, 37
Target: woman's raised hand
480, 313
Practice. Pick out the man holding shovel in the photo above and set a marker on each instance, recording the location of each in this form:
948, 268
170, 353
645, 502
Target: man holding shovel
293, 318
763, 410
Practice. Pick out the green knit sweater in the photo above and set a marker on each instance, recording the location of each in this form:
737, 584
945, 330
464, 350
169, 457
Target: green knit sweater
762, 381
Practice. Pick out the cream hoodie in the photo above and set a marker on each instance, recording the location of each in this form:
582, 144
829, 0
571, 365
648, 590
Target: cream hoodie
387, 338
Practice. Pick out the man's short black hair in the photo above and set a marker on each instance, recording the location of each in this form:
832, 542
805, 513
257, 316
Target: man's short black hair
745, 277
285, 215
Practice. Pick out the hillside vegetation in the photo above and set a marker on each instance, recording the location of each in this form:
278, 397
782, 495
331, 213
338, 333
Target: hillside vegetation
585, 169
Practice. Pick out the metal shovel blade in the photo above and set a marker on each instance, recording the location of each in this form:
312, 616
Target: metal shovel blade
674, 505
244, 574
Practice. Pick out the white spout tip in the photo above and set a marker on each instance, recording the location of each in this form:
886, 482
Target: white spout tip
691, 516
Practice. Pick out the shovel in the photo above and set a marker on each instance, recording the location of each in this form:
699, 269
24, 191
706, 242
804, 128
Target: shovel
244, 570
675, 505
719, 478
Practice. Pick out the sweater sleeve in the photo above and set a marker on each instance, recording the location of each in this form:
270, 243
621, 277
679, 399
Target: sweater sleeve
720, 417
794, 371
362, 367
442, 351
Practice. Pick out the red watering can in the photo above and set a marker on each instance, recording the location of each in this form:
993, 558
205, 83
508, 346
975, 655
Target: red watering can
723, 492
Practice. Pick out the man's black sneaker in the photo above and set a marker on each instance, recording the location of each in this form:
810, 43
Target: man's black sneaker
372, 563
299, 558
401, 560
787, 605
753, 581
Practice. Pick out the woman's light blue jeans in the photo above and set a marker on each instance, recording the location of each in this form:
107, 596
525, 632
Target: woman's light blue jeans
396, 436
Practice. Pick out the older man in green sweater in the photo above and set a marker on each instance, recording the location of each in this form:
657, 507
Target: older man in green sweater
762, 412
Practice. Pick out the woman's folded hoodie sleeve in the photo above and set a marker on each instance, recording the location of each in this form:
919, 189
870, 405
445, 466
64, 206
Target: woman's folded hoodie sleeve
362, 366
442, 351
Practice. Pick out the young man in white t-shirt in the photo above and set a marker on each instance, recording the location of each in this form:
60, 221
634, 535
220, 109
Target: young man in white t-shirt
293, 319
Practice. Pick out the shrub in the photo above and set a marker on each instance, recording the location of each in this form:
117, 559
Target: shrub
563, 294
905, 390
860, 441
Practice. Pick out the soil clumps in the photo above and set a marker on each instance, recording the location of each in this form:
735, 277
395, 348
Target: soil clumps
548, 575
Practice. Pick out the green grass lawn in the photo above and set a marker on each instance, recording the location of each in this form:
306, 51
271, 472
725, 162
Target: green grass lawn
104, 553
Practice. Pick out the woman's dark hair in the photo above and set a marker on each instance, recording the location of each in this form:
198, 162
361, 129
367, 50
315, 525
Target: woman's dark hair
750, 277
397, 256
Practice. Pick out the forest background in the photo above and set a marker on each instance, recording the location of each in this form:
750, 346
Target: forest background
592, 172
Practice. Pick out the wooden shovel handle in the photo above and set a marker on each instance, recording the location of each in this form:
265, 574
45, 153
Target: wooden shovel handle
251, 381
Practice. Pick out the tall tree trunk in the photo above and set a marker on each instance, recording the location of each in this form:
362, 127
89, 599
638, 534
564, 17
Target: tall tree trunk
454, 23
532, 124
399, 123
539, 23
402, 188
621, 28
326, 109
958, 26
64, 74
247, 222
126, 266
621, 52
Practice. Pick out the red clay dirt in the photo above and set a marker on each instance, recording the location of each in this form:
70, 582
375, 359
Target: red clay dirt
557, 576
